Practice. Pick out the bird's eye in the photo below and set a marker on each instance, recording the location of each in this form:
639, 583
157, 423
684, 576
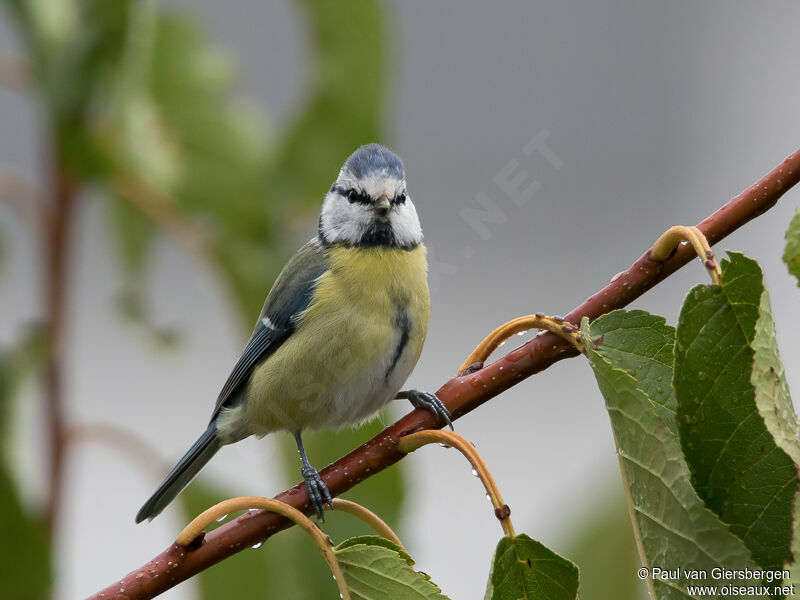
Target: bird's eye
400, 198
353, 195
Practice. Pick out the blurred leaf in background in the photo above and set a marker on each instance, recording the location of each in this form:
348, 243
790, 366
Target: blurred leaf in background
604, 550
25, 569
16, 366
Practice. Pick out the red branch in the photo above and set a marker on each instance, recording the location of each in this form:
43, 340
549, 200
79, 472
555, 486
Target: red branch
461, 394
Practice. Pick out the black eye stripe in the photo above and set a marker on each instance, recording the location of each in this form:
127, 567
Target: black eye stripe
354, 195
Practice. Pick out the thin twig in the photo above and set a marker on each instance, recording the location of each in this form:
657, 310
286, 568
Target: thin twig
414, 441
669, 240
14, 73
520, 325
461, 395
26, 200
57, 257
126, 442
195, 530
370, 518
160, 210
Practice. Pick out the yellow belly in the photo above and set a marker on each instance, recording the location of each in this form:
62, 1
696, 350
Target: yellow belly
341, 365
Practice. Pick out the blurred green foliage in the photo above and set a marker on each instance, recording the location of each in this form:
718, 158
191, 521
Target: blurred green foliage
25, 566
603, 547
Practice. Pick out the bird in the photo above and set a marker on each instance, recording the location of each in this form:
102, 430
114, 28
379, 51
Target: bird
341, 329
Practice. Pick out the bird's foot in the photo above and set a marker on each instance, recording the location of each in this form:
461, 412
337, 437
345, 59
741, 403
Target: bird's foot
318, 492
431, 403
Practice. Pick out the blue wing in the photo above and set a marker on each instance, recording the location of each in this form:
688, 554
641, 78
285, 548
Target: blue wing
288, 298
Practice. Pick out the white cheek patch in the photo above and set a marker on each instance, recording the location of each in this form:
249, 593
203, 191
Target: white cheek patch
348, 222
405, 224
344, 221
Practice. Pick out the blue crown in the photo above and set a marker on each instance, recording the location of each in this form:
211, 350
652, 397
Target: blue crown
374, 158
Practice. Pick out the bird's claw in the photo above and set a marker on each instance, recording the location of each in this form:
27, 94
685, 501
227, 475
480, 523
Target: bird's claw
431, 403
318, 492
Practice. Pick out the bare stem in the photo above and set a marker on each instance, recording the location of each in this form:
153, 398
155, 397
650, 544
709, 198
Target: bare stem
132, 446
368, 517
413, 441
670, 239
14, 73
57, 255
25, 200
494, 340
160, 210
194, 530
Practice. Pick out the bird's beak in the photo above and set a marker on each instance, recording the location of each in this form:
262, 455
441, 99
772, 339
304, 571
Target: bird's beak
382, 206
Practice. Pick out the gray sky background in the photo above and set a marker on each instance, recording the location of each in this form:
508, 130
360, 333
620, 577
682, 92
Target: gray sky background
659, 112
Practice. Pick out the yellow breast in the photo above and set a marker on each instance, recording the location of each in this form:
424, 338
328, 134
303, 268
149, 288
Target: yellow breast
360, 298
376, 279
340, 364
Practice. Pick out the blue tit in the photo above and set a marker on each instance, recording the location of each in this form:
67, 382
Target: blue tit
340, 332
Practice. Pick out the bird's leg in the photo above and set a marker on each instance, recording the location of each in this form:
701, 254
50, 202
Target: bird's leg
317, 490
429, 402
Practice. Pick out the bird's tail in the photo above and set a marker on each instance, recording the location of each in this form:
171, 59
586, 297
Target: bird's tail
198, 455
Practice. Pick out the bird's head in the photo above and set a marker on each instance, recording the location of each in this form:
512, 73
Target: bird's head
368, 204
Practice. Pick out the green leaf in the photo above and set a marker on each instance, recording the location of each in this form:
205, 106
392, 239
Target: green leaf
672, 526
791, 253
524, 568
376, 569
603, 547
737, 468
25, 568
768, 379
